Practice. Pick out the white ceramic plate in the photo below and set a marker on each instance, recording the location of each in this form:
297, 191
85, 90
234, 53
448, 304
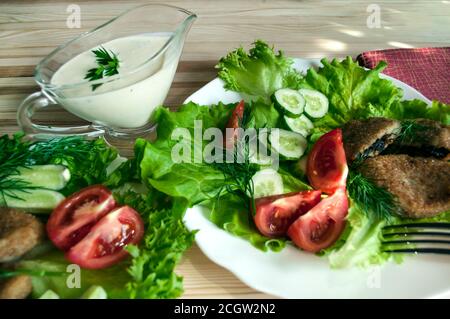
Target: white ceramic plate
292, 273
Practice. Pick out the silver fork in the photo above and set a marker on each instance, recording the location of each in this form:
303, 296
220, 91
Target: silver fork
417, 238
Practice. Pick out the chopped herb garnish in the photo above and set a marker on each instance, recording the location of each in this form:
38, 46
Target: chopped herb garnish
411, 132
108, 65
377, 202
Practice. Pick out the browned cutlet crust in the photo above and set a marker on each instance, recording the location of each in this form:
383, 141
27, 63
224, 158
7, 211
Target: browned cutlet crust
421, 186
359, 135
19, 233
18, 287
434, 133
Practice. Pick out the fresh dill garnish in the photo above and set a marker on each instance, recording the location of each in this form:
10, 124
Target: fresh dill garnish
238, 173
15, 153
411, 132
108, 65
378, 203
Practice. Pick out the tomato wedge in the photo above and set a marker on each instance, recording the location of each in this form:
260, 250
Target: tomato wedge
322, 225
73, 218
327, 166
274, 214
234, 123
104, 244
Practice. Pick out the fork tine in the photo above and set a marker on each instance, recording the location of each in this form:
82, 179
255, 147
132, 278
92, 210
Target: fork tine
416, 241
419, 233
419, 225
412, 238
442, 251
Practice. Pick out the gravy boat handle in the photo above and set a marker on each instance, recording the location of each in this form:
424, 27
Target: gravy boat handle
38, 101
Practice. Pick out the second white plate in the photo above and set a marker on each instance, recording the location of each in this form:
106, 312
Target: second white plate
292, 273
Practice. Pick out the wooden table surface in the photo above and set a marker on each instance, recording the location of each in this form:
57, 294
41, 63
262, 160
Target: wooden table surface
29, 30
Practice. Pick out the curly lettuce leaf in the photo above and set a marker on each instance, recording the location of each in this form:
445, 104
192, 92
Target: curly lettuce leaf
412, 109
260, 72
356, 93
152, 267
352, 91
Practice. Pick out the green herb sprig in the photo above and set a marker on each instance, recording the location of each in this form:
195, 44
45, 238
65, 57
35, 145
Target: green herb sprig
108, 65
86, 159
411, 132
378, 203
238, 174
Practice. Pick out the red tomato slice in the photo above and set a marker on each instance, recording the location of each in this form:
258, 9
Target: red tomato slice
322, 225
234, 123
274, 214
327, 167
104, 244
73, 218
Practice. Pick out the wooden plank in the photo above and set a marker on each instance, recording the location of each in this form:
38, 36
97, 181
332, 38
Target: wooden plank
29, 30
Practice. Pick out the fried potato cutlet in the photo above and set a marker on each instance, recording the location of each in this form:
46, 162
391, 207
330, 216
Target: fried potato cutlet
19, 233
18, 287
421, 186
366, 138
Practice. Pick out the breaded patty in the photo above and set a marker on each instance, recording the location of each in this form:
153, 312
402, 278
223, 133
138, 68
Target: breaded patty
365, 138
433, 133
19, 233
421, 186
18, 287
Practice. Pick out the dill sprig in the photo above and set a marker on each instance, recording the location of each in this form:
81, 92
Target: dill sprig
378, 203
108, 65
16, 153
238, 173
411, 131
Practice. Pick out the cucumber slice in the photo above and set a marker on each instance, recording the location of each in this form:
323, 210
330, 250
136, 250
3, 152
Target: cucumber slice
288, 144
267, 182
301, 124
316, 103
49, 294
258, 157
35, 200
53, 177
95, 292
289, 102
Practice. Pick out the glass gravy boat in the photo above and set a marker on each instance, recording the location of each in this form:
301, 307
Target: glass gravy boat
118, 106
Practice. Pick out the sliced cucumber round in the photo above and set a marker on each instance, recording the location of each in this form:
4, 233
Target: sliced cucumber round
53, 177
267, 182
301, 124
258, 156
288, 144
34, 200
95, 292
49, 294
316, 103
289, 102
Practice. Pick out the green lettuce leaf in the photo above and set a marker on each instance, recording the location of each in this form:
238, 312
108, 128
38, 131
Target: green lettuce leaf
403, 110
196, 182
229, 212
356, 93
263, 115
260, 72
352, 91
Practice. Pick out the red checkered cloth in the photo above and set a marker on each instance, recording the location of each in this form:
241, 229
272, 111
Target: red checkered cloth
425, 69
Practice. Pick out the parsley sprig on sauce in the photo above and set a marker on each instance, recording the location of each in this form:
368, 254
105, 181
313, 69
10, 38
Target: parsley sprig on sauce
108, 65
